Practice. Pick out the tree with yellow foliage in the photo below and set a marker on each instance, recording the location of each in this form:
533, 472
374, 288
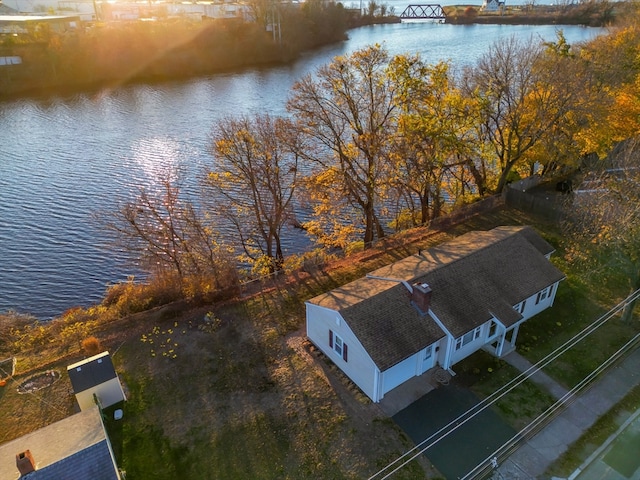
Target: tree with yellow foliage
435, 129
523, 96
347, 111
255, 176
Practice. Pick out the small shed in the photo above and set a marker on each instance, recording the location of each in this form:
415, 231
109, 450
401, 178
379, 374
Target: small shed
95, 376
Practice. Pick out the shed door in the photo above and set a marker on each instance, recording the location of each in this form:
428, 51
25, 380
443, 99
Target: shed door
399, 374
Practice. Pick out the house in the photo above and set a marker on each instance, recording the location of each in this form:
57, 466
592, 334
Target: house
492, 5
20, 24
435, 308
76, 448
95, 379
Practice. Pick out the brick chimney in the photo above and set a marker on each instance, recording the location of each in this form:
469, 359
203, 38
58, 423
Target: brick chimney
421, 296
25, 462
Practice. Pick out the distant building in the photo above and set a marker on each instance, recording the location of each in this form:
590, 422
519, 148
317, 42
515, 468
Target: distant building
22, 23
492, 5
76, 448
95, 379
130, 10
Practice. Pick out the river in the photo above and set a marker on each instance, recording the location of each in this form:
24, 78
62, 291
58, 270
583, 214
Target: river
62, 159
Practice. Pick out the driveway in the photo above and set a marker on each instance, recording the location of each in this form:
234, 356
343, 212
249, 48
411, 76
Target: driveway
465, 447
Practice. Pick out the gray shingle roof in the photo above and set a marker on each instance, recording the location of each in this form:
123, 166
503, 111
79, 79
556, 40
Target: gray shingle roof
389, 327
91, 372
468, 291
473, 277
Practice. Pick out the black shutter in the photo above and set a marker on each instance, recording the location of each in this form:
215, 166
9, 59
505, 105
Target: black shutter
344, 351
330, 338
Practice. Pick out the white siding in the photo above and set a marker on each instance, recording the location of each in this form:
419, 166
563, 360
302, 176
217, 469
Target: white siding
11, 60
533, 306
359, 366
108, 393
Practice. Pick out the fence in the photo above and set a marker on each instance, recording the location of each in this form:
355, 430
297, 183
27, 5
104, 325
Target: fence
377, 247
543, 202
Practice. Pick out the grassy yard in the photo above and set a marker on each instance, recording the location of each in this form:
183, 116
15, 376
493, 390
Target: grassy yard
245, 396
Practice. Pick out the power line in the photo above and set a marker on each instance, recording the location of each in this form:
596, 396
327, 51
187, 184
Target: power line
553, 410
501, 392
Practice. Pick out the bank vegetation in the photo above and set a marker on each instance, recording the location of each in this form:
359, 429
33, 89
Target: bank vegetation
109, 54
592, 13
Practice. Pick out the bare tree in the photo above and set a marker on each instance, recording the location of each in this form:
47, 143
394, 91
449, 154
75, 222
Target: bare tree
521, 101
605, 213
166, 233
255, 177
348, 111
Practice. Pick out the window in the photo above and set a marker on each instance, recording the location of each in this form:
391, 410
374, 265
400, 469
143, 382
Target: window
468, 338
520, 307
476, 333
428, 352
543, 294
337, 344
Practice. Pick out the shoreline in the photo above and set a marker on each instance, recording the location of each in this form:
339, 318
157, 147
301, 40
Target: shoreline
455, 15
585, 15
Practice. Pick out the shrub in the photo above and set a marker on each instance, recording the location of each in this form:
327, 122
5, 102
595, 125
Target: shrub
91, 345
354, 247
11, 323
131, 297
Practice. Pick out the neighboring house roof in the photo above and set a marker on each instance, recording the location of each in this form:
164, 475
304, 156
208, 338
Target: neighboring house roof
91, 371
75, 448
473, 277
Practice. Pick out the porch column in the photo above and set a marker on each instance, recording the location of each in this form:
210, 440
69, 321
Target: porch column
514, 335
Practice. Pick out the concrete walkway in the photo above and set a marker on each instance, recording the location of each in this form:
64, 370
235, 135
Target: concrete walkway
540, 378
535, 456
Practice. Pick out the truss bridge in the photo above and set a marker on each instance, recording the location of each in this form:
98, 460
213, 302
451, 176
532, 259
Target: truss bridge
423, 12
